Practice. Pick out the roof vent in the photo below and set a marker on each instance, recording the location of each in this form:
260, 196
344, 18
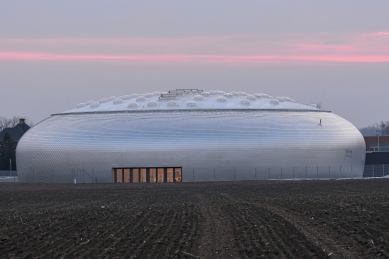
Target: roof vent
174, 93
171, 103
132, 105
104, 100
250, 97
274, 101
191, 103
205, 93
117, 101
125, 97
152, 104
140, 99
287, 99
112, 98
156, 93
245, 102
228, 95
198, 97
81, 105
221, 99
94, 105
148, 95
89, 102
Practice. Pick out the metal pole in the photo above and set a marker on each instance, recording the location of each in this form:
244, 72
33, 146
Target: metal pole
281, 173
383, 170
317, 172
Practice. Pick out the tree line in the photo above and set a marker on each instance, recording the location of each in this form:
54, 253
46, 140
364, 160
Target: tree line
12, 122
384, 128
7, 144
381, 128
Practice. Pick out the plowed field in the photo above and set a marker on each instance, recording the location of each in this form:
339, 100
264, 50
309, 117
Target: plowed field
264, 219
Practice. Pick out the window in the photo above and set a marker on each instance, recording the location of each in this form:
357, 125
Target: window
119, 175
383, 147
153, 175
143, 178
135, 175
177, 175
127, 176
147, 175
169, 177
161, 175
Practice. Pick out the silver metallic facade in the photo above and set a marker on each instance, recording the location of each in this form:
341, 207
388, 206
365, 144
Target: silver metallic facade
221, 145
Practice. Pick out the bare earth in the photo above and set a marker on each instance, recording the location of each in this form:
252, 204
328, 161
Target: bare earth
264, 219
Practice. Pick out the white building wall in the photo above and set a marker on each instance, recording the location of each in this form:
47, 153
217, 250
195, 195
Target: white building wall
208, 144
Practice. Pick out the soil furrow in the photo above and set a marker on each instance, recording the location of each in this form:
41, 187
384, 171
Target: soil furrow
261, 219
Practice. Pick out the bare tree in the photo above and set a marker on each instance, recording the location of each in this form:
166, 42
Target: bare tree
12, 122
384, 127
4, 123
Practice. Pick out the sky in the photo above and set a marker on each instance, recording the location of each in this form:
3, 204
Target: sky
56, 54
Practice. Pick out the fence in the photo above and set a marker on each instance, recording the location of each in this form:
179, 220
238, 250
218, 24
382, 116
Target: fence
378, 170
8, 173
240, 173
273, 173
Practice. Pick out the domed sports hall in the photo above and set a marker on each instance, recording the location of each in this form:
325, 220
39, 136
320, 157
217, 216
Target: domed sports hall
187, 135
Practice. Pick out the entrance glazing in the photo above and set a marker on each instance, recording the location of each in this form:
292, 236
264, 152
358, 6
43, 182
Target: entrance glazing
147, 175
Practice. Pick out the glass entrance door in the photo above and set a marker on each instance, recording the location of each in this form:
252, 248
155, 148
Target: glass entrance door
147, 175
169, 177
161, 175
177, 175
135, 175
153, 175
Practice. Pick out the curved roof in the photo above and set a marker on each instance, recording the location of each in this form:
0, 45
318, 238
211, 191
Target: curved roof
189, 99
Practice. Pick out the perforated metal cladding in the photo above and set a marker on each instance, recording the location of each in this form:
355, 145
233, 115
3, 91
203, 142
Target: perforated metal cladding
208, 145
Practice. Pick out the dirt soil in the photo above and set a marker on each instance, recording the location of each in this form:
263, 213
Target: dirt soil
264, 219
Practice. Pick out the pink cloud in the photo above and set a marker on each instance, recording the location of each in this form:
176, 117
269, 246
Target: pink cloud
380, 33
240, 49
222, 59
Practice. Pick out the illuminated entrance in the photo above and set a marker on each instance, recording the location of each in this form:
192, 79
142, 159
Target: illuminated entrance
147, 175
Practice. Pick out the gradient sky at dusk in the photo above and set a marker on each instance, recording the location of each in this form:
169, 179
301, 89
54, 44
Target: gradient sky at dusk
57, 54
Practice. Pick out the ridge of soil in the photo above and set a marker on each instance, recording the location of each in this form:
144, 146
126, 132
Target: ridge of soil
253, 219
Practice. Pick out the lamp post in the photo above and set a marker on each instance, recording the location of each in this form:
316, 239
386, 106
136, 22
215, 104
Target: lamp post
378, 134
